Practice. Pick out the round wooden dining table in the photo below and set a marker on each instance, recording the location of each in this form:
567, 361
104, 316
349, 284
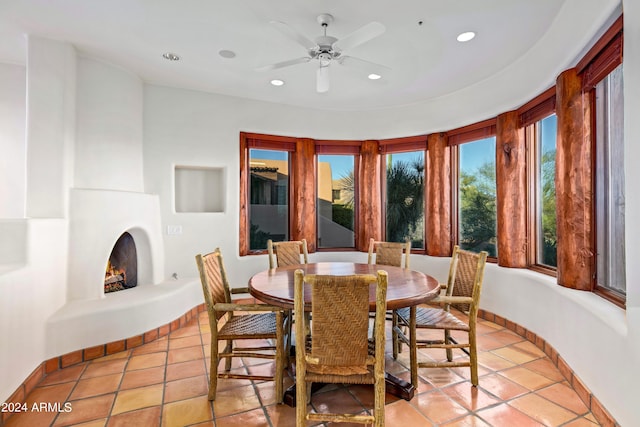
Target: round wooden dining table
405, 288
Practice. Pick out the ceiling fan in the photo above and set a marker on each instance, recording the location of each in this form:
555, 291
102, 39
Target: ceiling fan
327, 49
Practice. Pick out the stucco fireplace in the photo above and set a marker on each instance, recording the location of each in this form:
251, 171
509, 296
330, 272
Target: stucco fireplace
96, 228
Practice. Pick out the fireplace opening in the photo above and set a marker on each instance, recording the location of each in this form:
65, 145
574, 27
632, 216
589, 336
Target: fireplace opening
122, 266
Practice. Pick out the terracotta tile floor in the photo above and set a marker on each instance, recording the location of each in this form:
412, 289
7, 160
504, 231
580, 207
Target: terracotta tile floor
164, 383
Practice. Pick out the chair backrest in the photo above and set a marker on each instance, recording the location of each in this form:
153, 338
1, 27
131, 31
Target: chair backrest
286, 253
389, 253
466, 273
340, 312
214, 280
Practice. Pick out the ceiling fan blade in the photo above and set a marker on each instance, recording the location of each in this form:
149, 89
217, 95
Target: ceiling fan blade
294, 35
366, 66
283, 64
322, 83
359, 36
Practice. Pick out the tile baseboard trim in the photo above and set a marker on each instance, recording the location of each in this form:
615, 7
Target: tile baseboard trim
84, 355
593, 404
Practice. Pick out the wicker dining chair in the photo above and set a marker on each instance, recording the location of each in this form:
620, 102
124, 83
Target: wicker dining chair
230, 327
286, 253
464, 284
389, 253
282, 254
338, 348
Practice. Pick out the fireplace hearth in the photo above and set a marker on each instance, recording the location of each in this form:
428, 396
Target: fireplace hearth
122, 267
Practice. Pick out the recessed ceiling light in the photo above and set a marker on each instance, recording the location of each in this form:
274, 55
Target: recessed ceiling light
374, 76
465, 37
171, 56
277, 82
227, 53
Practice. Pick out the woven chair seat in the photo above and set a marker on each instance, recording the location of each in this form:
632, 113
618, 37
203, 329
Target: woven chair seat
251, 325
434, 318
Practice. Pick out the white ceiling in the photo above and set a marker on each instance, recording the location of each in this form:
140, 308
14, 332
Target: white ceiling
426, 61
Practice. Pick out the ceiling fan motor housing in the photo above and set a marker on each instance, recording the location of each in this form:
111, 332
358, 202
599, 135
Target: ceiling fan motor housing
325, 19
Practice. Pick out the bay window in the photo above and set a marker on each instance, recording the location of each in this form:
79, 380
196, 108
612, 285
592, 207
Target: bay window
477, 196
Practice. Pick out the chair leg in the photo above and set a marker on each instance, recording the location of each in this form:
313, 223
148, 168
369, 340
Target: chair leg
289, 332
394, 334
280, 356
447, 340
301, 402
378, 406
213, 370
473, 357
228, 349
413, 350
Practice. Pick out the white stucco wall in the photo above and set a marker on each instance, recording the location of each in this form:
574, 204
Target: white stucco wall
108, 148
50, 124
13, 166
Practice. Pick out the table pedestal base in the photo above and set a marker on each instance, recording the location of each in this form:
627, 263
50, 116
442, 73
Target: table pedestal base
394, 386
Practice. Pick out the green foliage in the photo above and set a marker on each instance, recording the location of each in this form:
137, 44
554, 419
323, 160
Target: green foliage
549, 235
258, 238
405, 200
478, 209
343, 215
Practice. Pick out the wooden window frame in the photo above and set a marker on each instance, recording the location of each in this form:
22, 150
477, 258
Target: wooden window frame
532, 141
456, 137
604, 57
530, 114
250, 141
351, 148
402, 145
472, 132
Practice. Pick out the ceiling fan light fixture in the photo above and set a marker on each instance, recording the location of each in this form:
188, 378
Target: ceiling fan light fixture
374, 76
277, 82
466, 36
325, 59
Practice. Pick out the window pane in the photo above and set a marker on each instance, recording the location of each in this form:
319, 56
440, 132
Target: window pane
336, 204
269, 197
405, 198
477, 196
546, 191
610, 190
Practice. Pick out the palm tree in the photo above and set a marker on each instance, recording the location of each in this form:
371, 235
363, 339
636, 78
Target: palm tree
405, 200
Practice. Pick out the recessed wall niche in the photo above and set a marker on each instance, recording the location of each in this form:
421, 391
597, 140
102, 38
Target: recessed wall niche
199, 189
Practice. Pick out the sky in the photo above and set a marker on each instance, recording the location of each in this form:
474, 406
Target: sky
475, 154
